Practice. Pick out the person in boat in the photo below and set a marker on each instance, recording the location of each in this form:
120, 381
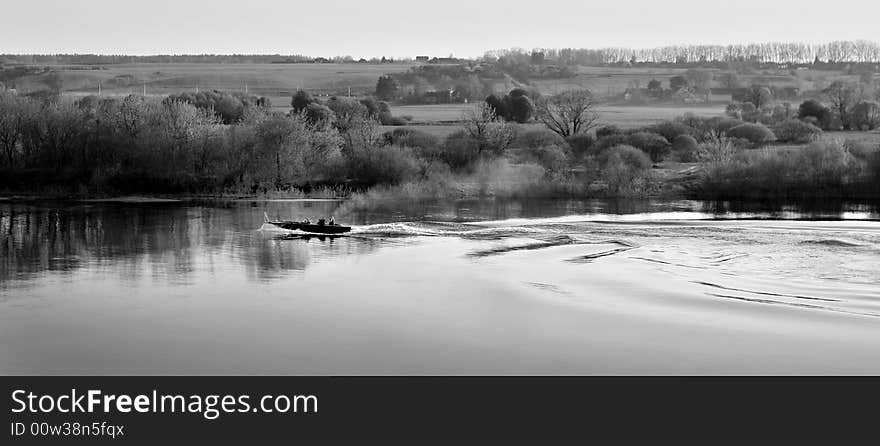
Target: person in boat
320, 222
307, 221
332, 222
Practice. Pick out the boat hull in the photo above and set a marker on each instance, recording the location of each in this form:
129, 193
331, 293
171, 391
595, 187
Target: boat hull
310, 228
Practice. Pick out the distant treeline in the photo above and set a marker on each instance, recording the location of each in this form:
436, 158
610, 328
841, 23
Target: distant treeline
860, 51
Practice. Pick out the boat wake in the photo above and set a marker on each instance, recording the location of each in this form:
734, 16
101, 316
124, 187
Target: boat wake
795, 264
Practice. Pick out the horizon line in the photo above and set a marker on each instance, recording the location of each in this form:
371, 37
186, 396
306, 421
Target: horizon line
484, 53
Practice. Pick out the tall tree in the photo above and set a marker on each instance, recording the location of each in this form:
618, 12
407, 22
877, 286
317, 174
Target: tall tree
569, 113
842, 97
386, 88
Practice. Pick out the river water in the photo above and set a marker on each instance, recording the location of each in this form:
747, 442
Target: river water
466, 287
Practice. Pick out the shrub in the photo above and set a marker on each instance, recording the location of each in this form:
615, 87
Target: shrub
301, 100
685, 148
460, 151
229, 107
630, 155
717, 153
814, 110
581, 145
410, 138
656, 146
318, 114
819, 170
552, 158
714, 128
382, 165
609, 141
498, 105
372, 106
824, 164
607, 130
758, 95
519, 108
756, 134
539, 138
691, 120
671, 130
796, 131
866, 115
781, 113
386, 118
624, 170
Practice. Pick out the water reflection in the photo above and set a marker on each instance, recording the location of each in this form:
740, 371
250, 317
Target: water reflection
167, 242
808, 210
171, 242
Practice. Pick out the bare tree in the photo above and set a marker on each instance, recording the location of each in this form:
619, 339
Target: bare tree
489, 131
569, 113
14, 114
842, 97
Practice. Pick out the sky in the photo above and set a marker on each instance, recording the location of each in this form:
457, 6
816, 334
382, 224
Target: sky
396, 28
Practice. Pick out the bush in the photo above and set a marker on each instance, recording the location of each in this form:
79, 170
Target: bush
607, 130
685, 149
656, 146
498, 105
866, 115
779, 114
824, 164
714, 128
691, 120
382, 165
820, 170
552, 158
580, 145
385, 118
624, 170
460, 151
629, 155
519, 108
318, 114
671, 130
301, 99
609, 141
539, 138
812, 109
796, 131
756, 134
410, 138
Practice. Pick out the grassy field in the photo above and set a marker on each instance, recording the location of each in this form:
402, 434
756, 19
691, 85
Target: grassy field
611, 81
276, 81
439, 120
432, 113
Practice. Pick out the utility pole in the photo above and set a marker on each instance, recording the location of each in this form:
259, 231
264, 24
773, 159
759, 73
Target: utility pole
99, 89
145, 90
197, 88
245, 89
349, 91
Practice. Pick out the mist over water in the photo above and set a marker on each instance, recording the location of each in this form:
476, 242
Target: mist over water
460, 287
